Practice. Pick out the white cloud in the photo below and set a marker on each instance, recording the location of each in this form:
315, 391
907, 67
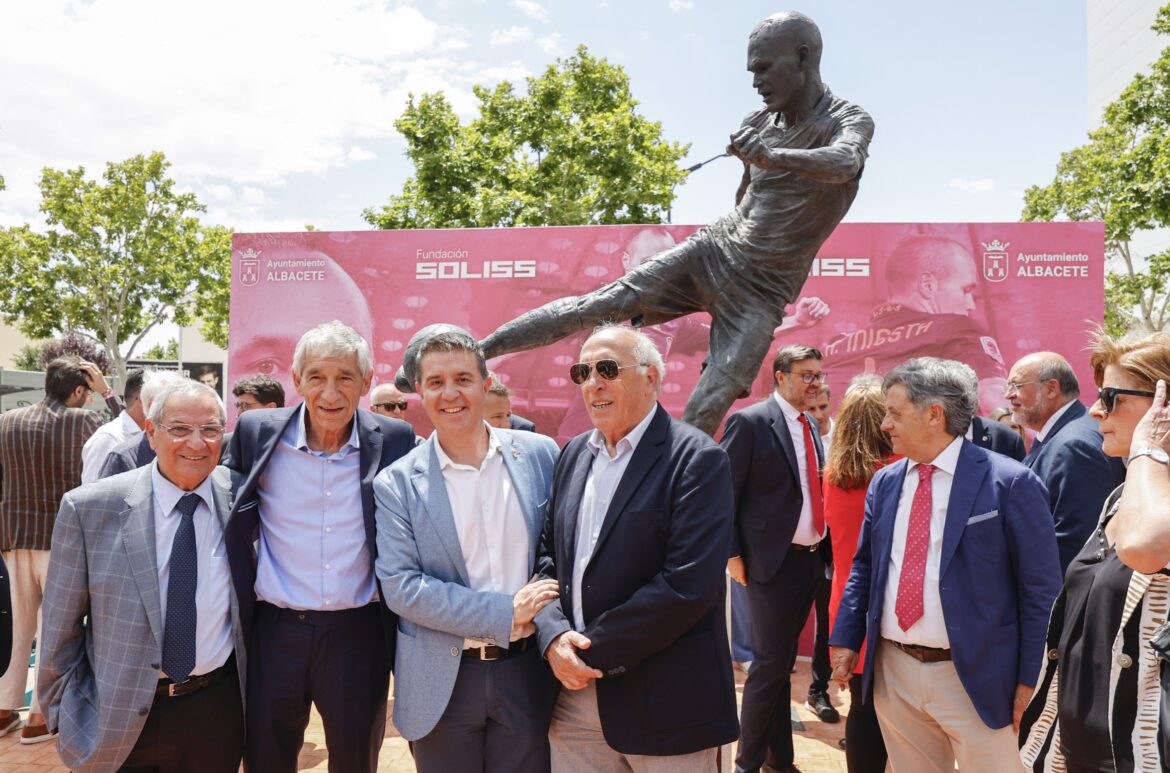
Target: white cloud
681, 5
550, 44
513, 34
533, 10
981, 185
240, 96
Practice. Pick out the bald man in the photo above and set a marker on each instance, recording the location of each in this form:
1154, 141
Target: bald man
803, 153
931, 283
1066, 453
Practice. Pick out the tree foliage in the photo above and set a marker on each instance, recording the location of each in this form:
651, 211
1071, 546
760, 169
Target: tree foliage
120, 256
167, 351
1122, 177
573, 150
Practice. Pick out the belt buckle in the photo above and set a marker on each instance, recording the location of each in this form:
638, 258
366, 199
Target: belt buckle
171, 689
483, 655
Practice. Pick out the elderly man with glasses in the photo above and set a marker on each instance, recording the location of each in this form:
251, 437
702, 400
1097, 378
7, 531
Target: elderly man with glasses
1043, 390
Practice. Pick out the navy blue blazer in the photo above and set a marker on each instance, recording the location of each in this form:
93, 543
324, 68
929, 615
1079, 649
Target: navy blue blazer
653, 595
521, 423
383, 440
997, 436
130, 454
766, 481
998, 576
1079, 477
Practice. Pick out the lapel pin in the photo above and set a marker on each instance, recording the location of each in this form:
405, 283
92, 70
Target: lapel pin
515, 454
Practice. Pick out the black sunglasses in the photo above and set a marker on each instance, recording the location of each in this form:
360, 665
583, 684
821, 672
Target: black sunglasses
391, 406
1108, 396
607, 369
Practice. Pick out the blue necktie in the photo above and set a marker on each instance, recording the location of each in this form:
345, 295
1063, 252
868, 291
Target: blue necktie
1034, 451
178, 652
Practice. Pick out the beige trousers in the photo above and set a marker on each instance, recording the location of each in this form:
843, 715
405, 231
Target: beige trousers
929, 723
579, 747
26, 573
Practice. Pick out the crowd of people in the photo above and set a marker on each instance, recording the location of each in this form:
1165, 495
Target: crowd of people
563, 609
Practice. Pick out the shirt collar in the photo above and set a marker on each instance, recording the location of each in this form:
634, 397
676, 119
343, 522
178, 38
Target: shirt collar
1048, 425
446, 463
947, 459
130, 426
301, 439
789, 410
168, 494
629, 443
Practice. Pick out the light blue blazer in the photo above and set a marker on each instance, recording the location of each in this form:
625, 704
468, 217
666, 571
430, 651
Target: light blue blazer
423, 577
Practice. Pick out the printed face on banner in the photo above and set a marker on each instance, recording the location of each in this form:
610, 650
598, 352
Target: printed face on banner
894, 291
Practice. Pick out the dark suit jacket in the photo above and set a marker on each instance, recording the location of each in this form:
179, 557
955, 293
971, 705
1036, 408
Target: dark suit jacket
997, 436
382, 439
521, 423
130, 454
767, 485
998, 576
653, 595
1079, 477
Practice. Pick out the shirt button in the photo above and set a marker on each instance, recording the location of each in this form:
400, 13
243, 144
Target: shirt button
326, 566
454, 652
328, 601
328, 529
1125, 661
328, 493
1053, 654
155, 666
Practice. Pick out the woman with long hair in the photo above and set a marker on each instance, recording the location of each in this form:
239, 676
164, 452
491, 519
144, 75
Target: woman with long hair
859, 449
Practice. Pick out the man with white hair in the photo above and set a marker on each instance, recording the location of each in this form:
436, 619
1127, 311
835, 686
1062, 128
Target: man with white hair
639, 524
136, 451
301, 542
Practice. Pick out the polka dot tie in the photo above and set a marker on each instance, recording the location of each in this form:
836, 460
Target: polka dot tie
908, 607
178, 653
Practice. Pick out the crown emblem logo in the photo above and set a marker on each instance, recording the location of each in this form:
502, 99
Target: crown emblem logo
995, 245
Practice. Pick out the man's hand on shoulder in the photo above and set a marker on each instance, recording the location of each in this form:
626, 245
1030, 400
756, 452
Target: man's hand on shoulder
568, 668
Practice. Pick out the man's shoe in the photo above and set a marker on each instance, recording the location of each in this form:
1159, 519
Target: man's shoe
12, 723
32, 734
818, 703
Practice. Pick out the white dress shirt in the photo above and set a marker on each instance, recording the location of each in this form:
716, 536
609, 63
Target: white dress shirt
493, 535
101, 442
604, 476
1043, 433
931, 628
213, 620
806, 533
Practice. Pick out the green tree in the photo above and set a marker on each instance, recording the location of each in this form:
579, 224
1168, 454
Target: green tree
1122, 177
571, 151
167, 351
120, 255
28, 357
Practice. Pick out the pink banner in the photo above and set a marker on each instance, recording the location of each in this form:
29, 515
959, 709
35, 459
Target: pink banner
983, 293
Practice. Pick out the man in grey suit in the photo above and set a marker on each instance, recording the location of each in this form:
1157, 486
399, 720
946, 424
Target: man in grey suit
142, 653
459, 522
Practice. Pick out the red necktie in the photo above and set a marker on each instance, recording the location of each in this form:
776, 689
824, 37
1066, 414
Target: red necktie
814, 478
908, 607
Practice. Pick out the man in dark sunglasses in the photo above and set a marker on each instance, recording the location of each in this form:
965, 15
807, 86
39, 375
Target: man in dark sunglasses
388, 401
1066, 453
803, 152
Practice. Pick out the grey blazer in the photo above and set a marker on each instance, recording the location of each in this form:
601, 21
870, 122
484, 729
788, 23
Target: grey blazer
98, 677
423, 575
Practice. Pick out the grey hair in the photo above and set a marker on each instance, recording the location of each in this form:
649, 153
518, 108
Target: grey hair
498, 387
186, 387
453, 340
645, 351
863, 380
333, 339
1059, 369
951, 384
154, 381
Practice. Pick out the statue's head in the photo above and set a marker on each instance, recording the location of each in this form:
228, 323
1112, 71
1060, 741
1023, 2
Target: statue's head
784, 57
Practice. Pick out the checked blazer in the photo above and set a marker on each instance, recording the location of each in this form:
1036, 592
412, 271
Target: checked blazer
102, 625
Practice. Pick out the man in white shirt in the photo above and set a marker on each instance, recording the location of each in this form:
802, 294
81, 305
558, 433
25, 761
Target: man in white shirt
952, 584
129, 423
459, 522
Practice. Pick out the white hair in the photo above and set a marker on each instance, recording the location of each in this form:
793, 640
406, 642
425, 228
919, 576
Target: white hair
333, 339
153, 382
184, 386
644, 350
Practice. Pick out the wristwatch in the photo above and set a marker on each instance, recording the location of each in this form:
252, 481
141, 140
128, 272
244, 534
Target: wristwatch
1157, 454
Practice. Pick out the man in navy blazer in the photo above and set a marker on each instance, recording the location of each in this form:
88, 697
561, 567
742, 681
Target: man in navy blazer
1066, 453
996, 436
955, 574
301, 544
459, 522
637, 536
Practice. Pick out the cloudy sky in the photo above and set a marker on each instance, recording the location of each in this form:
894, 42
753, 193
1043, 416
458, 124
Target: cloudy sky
279, 114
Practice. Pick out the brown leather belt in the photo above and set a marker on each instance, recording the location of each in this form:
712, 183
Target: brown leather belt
807, 548
173, 689
492, 652
923, 654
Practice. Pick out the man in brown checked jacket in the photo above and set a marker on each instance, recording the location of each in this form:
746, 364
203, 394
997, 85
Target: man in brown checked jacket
40, 459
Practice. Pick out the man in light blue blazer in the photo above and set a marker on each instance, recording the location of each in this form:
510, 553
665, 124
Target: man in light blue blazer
953, 580
458, 527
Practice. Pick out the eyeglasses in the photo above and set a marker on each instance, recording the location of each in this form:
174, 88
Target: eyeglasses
1108, 396
392, 406
209, 432
607, 369
809, 377
1014, 386
242, 406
